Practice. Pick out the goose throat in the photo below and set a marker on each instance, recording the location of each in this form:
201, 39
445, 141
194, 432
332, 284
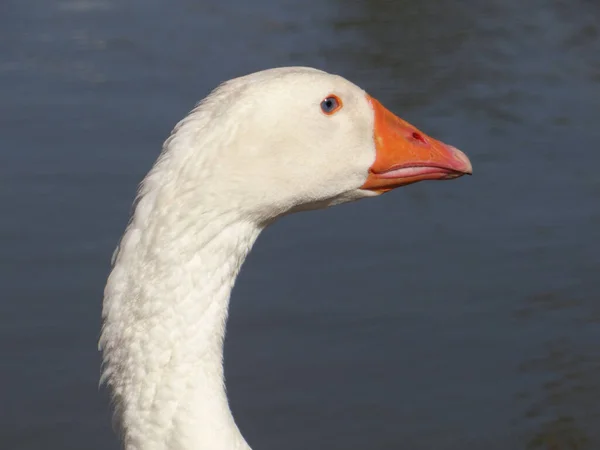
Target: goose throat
163, 336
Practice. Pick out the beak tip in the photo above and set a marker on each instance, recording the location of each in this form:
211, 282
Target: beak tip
465, 163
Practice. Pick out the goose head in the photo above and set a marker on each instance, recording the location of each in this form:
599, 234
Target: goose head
297, 138
256, 148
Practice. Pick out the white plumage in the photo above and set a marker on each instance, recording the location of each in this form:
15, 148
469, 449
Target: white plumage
256, 148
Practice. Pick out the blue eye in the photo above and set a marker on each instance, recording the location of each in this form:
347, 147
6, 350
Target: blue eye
331, 104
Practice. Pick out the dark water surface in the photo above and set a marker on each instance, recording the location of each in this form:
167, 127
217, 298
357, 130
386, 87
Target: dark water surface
448, 316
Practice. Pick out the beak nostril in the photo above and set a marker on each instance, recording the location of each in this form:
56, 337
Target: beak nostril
419, 137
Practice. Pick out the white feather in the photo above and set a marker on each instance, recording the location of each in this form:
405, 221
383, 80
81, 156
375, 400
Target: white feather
256, 148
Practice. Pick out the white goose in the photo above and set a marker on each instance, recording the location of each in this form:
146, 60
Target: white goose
258, 147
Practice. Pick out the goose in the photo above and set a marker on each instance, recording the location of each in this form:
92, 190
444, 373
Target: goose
257, 148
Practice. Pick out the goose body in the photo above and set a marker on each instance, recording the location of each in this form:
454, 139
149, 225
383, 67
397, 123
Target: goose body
258, 147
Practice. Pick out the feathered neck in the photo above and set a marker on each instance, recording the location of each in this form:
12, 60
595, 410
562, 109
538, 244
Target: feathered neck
165, 308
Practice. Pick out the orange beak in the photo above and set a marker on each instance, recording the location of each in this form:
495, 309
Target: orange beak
405, 155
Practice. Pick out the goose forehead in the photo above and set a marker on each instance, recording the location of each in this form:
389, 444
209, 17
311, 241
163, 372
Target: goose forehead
295, 82
324, 83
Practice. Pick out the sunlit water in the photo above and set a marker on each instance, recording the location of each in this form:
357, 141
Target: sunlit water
448, 316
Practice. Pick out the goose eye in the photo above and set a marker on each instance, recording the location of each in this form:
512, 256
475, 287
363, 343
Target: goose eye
331, 105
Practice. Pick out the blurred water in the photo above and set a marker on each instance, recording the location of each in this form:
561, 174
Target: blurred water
459, 315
